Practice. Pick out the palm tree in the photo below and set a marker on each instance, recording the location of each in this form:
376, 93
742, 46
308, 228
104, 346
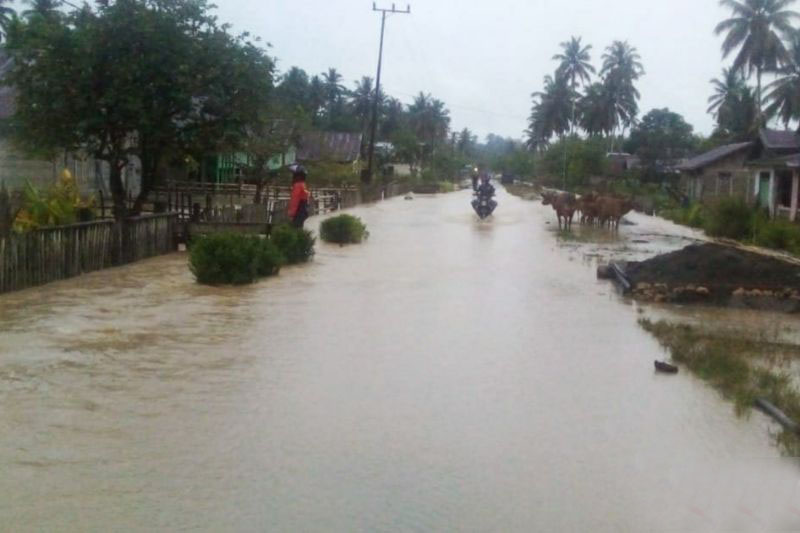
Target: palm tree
726, 88
783, 95
596, 111
430, 120
621, 68
551, 111
574, 64
41, 7
361, 100
334, 93
7, 15
755, 29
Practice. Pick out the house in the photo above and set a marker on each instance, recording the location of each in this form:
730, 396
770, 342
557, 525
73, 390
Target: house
330, 147
764, 172
620, 162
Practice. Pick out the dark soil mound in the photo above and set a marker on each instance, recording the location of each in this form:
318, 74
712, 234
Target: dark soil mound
716, 267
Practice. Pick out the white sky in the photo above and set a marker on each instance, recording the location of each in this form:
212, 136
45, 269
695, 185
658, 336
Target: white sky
484, 58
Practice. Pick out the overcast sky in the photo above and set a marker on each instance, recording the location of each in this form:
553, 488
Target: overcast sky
484, 58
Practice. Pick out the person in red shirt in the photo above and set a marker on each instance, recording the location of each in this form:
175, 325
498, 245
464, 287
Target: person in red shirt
298, 203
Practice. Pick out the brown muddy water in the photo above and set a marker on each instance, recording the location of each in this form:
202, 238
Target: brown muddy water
449, 375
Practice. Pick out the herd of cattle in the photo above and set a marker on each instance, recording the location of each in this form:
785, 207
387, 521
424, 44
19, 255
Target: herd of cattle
592, 209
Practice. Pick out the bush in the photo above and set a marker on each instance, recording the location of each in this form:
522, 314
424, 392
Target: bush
779, 234
343, 229
233, 259
296, 245
731, 218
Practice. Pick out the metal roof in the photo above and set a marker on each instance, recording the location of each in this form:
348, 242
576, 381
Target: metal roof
721, 152
329, 146
780, 139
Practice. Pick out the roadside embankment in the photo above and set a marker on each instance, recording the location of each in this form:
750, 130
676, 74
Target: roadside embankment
717, 274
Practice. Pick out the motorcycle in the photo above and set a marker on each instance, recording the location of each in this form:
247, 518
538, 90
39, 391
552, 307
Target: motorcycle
484, 205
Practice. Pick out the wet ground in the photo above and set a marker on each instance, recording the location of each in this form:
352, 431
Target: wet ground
447, 375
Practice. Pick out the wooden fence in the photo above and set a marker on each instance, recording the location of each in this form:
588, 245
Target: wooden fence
62, 252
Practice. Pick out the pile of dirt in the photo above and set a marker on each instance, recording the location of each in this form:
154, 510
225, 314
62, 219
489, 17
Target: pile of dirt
718, 274
714, 265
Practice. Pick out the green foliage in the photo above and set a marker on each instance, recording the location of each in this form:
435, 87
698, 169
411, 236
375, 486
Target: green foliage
693, 216
58, 205
731, 218
585, 158
736, 366
296, 245
343, 229
778, 234
661, 135
204, 87
233, 259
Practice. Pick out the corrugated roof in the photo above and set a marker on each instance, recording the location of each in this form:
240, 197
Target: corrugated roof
780, 139
329, 146
703, 160
789, 161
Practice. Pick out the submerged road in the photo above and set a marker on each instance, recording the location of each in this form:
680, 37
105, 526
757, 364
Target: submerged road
448, 375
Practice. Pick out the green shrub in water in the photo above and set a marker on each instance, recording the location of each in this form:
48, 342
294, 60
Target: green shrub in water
731, 218
233, 259
343, 229
296, 245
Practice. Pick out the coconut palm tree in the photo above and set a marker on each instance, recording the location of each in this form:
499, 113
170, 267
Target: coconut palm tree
727, 88
575, 65
7, 15
622, 67
335, 93
551, 112
596, 111
756, 30
783, 94
41, 7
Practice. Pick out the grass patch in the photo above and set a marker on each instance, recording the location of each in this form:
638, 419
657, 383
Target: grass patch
343, 229
736, 366
296, 245
233, 259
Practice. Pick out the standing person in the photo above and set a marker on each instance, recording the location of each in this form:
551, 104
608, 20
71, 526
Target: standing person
298, 203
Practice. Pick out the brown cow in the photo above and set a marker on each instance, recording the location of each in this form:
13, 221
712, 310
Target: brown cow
564, 204
588, 207
611, 210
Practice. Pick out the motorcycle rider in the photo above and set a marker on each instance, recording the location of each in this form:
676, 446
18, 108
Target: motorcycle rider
485, 191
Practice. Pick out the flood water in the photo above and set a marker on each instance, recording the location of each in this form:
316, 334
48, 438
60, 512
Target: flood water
448, 375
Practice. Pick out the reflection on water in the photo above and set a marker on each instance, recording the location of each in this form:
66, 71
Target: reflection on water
447, 375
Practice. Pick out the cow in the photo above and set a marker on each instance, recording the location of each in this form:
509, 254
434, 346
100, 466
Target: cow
588, 207
564, 204
611, 210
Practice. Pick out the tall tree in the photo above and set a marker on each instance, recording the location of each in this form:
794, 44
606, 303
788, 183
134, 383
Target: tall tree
42, 8
596, 111
783, 96
335, 93
575, 66
552, 108
755, 29
622, 67
7, 15
660, 137
79, 84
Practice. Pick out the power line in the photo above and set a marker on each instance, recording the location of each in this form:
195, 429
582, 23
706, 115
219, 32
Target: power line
374, 127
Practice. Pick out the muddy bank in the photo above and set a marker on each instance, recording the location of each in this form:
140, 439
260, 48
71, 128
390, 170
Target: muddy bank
717, 274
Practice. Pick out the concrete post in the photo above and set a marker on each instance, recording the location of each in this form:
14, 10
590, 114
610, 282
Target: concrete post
795, 190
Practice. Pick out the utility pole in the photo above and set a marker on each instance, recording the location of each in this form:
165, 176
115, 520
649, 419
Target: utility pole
374, 125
